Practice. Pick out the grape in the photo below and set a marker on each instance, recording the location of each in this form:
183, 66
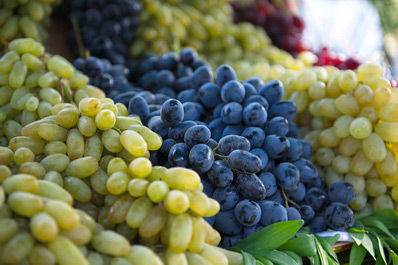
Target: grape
231, 113
179, 155
254, 114
227, 224
316, 198
318, 224
255, 135
247, 212
341, 192
220, 175
287, 175
293, 214
307, 214
227, 144
278, 126
224, 74
198, 134
201, 157
297, 195
308, 172
250, 186
276, 146
338, 216
272, 212
172, 113
227, 197
243, 161
232, 91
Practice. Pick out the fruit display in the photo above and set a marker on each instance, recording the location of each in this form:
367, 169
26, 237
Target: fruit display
327, 57
207, 26
104, 28
26, 18
239, 137
349, 118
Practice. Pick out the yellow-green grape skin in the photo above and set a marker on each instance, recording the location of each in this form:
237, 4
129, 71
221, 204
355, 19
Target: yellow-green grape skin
176, 202
140, 167
375, 187
86, 126
78, 189
389, 112
55, 147
111, 243
60, 66
123, 122
116, 164
50, 95
98, 181
327, 108
32, 62
180, 233
20, 182
369, 113
7, 61
156, 173
111, 141
359, 201
18, 74
357, 181
51, 190
5, 173
8, 228
32, 103
6, 156
75, 144
360, 164
25, 204
348, 80
17, 248
198, 202
349, 146
41, 255
55, 162
176, 258
213, 255
142, 255
300, 98
80, 236
382, 202
394, 193
23, 155
93, 147
52, 132
388, 131
68, 117
328, 138
360, 128
157, 191
153, 140
90, 106
117, 183
122, 110
181, 178
198, 235
347, 105
65, 216
137, 212
134, 143
370, 69
109, 106
138, 187
374, 148
341, 126
332, 177
363, 94
153, 222
105, 119
43, 227
317, 90
118, 210
82, 167
381, 97
387, 167
324, 156
34, 144
341, 164
66, 252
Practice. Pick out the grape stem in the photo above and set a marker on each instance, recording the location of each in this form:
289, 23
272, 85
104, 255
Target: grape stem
66, 91
79, 39
221, 156
117, 129
287, 200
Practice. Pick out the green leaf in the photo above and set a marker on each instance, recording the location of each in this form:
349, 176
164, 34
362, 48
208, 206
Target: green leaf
275, 256
248, 259
392, 242
358, 225
264, 260
380, 226
387, 216
303, 245
294, 256
260, 263
271, 237
394, 258
357, 236
381, 250
327, 244
314, 260
357, 254
379, 261
322, 253
368, 245
331, 240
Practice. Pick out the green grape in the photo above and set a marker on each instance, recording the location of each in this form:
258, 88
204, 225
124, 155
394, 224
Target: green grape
105, 119
52, 190
138, 187
43, 227
20, 182
78, 189
360, 128
157, 191
17, 248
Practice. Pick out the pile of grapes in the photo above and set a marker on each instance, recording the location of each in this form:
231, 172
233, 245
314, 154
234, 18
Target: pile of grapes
26, 18
239, 137
77, 186
350, 118
104, 28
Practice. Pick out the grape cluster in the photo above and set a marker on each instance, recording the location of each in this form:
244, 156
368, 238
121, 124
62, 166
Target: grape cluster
350, 119
240, 138
105, 28
284, 28
207, 26
26, 18
327, 57
32, 82
84, 175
